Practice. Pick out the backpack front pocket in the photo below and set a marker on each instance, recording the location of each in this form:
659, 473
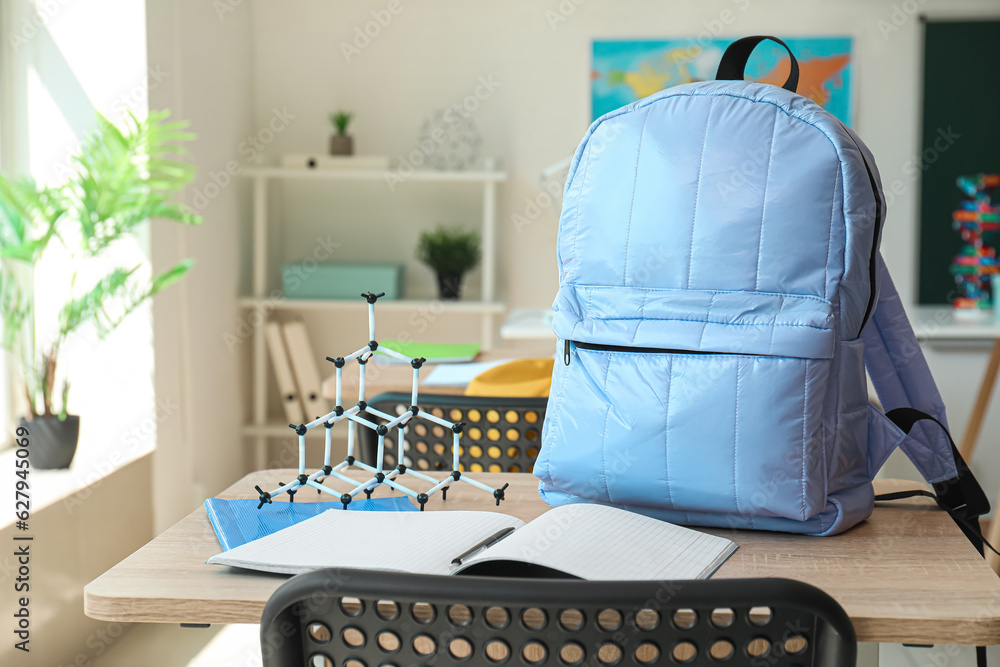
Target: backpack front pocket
729, 433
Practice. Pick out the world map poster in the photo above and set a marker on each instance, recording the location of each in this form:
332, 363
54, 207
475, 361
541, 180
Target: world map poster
628, 70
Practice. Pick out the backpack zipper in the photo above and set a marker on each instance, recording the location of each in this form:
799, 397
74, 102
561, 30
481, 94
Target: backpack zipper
872, 266
625, 348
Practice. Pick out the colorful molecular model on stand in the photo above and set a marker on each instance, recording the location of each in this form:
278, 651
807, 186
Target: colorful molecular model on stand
976, 262
354, 417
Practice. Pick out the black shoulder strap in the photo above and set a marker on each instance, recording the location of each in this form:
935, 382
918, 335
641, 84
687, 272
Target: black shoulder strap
961, 496
734, 61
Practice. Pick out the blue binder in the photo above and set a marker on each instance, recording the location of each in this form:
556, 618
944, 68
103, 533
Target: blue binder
239, 521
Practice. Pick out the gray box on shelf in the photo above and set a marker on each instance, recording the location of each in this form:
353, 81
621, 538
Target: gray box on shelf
341, 281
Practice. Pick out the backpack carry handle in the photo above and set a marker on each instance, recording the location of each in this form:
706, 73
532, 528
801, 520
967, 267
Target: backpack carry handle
734, 61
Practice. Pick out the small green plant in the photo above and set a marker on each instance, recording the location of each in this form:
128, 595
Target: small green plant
118, 180
450, 251
340, 120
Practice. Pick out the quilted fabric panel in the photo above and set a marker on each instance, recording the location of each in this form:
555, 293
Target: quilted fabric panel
723, 185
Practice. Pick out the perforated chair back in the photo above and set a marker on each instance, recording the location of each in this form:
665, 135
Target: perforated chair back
363, 618
502, 434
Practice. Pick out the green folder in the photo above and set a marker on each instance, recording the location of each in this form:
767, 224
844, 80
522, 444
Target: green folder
434, 353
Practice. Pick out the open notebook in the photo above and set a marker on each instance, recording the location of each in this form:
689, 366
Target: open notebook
583, 541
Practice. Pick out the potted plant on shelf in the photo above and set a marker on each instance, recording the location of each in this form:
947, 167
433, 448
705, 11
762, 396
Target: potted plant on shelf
341, 143
117, 181
451, 252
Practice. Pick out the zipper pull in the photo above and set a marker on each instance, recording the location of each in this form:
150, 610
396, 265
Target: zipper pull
566, 352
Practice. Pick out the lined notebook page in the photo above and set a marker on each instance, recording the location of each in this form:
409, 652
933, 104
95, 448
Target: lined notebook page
420, 542
606, 543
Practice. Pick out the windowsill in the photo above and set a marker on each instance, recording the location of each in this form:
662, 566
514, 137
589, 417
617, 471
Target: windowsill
91, 465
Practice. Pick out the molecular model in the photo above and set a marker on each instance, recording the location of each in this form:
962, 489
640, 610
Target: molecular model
353, 414
976, 262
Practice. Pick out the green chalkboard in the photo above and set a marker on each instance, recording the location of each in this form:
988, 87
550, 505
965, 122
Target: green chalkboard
960, 136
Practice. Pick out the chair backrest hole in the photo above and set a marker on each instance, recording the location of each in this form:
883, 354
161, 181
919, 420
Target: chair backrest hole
352, 606
760, 615
422, 612
497, 617
647, 653
571, 619
387, 610
758, 647
534, 652
609, 654
353, 637
795, 644
388, 641
572, 653
319, 632
609, 619
424, 645
473, 415
460, 648
722, 649
685, 619
459, 614
684, 651
534, 618
722, 617
320, 660
497, 651
350, 662
647, 619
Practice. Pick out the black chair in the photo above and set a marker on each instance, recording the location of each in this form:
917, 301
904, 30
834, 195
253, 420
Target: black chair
501, 434
364, 618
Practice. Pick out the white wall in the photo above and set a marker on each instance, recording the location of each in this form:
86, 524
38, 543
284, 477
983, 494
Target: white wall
207, 60
432, 54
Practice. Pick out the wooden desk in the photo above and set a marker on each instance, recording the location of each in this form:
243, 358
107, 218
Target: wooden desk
907, 575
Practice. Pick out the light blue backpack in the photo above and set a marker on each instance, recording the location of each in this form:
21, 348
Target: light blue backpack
720, 294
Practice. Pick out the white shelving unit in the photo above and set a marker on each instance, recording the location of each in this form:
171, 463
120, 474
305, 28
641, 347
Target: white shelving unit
486, 308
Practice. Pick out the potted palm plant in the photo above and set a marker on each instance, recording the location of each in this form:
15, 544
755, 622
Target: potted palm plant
341, 143
118, 180
451, 252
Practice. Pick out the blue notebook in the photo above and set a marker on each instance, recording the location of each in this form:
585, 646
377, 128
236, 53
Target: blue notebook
237, 522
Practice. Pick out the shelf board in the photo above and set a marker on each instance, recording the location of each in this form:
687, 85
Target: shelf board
421, 175
478, 307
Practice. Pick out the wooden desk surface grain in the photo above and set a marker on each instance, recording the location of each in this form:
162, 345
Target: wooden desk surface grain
907, 575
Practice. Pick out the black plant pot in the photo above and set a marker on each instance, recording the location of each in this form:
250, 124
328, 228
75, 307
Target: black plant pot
51, 442
449, 286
